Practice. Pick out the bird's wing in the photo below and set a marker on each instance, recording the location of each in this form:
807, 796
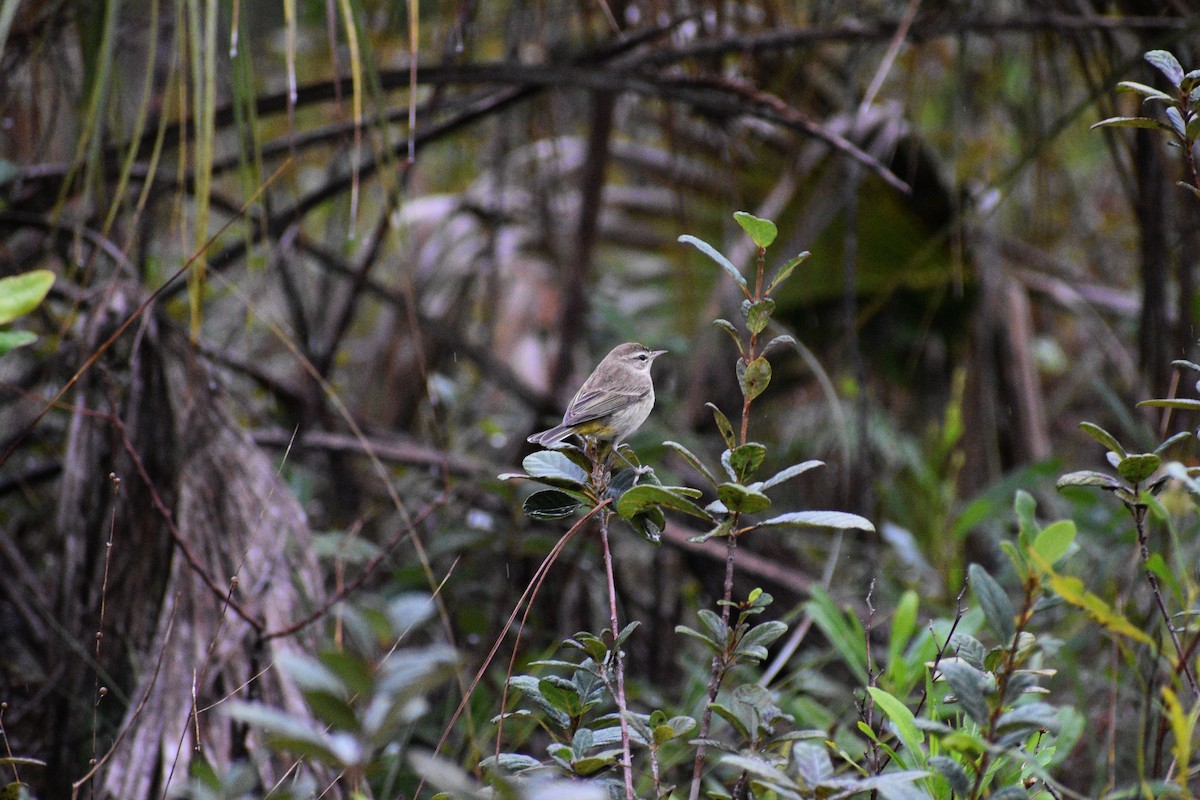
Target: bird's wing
597, 403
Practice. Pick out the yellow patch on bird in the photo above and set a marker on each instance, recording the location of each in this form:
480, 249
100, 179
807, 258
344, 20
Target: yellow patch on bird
597, 427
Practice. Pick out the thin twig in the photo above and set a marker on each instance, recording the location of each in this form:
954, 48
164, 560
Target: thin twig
367, 571
526, 600
1139, 519
220, 592
622, 707
137, 711
102, 692
137, 314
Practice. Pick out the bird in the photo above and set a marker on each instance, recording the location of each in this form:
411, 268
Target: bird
613, 402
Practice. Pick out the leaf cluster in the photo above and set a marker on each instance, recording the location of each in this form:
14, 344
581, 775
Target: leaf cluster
361, 701
1181, 107
573, 707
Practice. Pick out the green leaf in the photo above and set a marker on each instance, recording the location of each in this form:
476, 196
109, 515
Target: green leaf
1073, 591
760, 768
791, 472
11, 340
963, 741
737, 497
1020, 682
581, 742
754, 377
968, 648
529, 686
593, 764
778, 341
722, 530
511, 762
903, 722
1158, 565
758, 315
756, 641
746, 459
1103, 437
723, 425
21, 294
890, 785
642, 498
968, 686
1010, 793
624, 634
1147, 92
673, 728
762, 231
1166, 63
997, 609
708, 641
1172, 441
953, 772
1176, 121
1088, 477
786, 270
839, 520
311, 675
811, 761
296, 735
1178, 404
1137, 468
551, 504
904, 624
352, 669
1053, 541
649, 525
332, 710
1031, 717
729, 328
722, 261
694, 460
553, 465
1129, 122
1183, 726
563, 698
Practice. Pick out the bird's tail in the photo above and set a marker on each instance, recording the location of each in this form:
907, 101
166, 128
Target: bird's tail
549, 437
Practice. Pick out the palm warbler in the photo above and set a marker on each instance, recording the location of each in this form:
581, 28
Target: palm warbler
613, 402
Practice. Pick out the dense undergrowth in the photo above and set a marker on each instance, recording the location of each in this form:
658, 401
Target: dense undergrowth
1037, 640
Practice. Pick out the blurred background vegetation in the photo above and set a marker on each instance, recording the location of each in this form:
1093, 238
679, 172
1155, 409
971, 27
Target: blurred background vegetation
321, 267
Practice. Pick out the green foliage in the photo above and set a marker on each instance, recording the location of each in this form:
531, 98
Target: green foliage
573, 707
362, 700
954, 708
1180, 107
582, 744
914, 698
21, 295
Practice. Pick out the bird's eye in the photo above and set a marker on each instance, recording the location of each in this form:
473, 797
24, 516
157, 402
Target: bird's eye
642, 357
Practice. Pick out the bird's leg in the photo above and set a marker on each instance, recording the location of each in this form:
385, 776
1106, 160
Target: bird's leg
638, 469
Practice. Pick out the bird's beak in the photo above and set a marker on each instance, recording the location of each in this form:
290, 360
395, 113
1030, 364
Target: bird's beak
656, 353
